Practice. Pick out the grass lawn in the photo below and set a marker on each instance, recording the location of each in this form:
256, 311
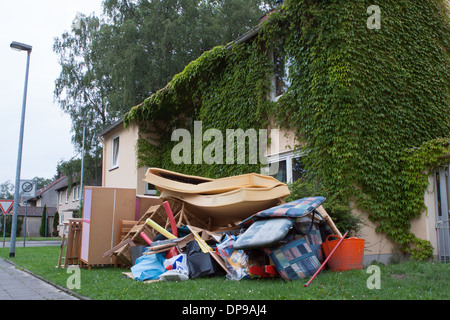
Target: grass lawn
404, 281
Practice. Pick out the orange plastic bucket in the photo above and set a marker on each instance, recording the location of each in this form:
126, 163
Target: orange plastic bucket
349, 255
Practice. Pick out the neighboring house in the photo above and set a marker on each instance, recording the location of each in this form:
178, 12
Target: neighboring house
120, 169
46, 196
68, 201
32, 224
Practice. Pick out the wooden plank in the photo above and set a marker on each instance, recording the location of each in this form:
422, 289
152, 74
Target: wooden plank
328, 219
62, 249
120, 245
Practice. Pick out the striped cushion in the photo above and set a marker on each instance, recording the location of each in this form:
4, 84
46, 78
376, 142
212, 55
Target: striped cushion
294, 260
294, 209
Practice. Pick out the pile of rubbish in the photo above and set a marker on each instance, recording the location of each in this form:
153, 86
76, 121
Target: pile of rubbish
239, 227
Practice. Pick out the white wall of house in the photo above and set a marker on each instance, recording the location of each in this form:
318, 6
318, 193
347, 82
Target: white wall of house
124, 173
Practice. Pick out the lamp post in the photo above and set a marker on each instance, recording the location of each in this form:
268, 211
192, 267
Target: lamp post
82, 166
20, 47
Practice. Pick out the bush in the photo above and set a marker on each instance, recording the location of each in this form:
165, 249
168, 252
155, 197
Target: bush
8, 225
55, 224
43, 231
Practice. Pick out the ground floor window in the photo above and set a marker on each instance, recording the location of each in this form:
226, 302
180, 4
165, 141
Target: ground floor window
290, 167
150, 189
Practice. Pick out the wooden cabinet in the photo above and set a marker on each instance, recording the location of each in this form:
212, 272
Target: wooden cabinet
102, 211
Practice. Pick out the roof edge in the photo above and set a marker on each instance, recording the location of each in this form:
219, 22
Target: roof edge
110, 127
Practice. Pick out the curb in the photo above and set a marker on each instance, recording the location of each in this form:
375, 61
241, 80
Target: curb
48, 282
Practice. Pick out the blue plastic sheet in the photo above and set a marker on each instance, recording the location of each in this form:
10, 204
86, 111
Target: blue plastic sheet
149, 267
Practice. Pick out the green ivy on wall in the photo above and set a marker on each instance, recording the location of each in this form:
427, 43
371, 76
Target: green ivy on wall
370, 106
224, 89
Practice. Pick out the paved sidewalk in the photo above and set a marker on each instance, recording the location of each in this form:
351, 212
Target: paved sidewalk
16, 284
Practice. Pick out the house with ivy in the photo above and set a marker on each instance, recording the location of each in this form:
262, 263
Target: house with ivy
355, 99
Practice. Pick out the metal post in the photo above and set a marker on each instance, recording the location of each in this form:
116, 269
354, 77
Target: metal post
46, 223
4, 228
12, 251
25, 223
82, 166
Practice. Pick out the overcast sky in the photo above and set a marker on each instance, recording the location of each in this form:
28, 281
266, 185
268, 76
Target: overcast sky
47, 136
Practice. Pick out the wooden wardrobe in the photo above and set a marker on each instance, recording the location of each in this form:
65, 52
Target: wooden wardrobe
102, 211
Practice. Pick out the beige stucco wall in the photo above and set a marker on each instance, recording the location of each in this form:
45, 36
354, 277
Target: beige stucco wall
425, 226
70, 205
379, 248
286, 141
127, 174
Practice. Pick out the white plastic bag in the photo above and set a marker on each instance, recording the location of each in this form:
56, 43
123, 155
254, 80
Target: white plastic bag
177, 269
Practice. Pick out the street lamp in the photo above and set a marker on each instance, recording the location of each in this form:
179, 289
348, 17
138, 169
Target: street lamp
20, 47
82, 165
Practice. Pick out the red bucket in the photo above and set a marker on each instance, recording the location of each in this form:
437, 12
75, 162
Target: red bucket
349, 255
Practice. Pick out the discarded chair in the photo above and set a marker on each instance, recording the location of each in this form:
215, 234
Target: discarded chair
73, 229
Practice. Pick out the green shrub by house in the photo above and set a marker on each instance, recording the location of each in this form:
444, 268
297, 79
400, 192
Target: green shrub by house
370, 106
55, 225
6, 225
43, 230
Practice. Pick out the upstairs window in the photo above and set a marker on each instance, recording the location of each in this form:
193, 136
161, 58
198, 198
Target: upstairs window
282, 79
115, 152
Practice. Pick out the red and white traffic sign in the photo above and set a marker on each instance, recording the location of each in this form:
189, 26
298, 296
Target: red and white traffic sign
6, 205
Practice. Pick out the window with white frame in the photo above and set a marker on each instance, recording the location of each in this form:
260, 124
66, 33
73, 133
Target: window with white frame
115, 152
150, 189
67, 195
290, 167
76, 193
60, 197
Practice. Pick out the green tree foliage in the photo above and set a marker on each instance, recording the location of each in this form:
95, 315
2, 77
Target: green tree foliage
7, 190
41, 182
8, 224
82, 86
